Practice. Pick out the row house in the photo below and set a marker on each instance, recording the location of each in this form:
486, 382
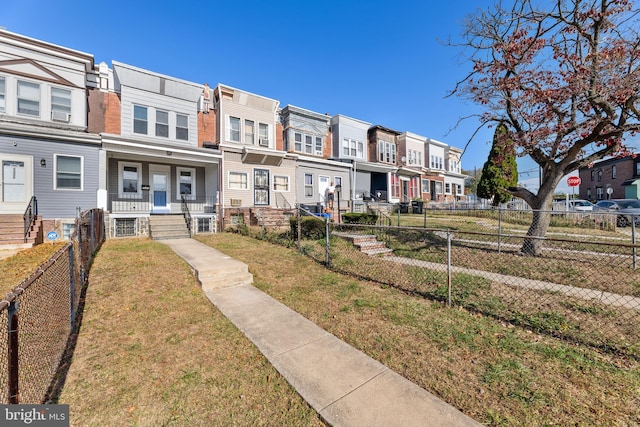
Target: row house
152, 160
612, 178
46, 155
136, 143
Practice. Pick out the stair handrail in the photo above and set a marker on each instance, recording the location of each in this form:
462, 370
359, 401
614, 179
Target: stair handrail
30, 215
186, 213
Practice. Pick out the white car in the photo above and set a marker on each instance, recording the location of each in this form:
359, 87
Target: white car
579, 205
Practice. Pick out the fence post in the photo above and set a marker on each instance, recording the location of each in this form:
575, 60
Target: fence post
72, 288
449, 268
12, 353
299, 229
499, 229
327, 260
93, 232
633, 240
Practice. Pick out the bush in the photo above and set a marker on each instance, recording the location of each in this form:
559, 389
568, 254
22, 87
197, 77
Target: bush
359, 218
312, 227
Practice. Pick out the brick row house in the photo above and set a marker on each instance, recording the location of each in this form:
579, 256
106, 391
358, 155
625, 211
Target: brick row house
140, 144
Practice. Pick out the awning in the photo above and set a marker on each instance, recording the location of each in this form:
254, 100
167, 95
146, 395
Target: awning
632, 181
262, 157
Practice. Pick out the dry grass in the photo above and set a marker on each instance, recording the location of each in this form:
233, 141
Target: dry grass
152, 350
494, 372
18, 267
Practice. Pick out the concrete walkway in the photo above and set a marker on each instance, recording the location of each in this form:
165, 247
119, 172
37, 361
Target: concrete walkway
345, 386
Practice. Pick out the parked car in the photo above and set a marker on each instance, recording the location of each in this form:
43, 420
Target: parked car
580, 205
627, 210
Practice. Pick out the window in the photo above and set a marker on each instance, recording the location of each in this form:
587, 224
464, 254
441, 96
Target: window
318, 147
203, 225
234, 129
425, 185
68, 172
249, 132
67, 230
60, 104
124, 227
186, 184
352, 148
447, 188
139, 119
588, 194
395, 186
413, 187
297, 138
600, 175
459, 190
386, 152
162, 123
182, 127
438, 186
637, 170
614, 172
308, 185
2, 95
238, 181
593, 174
29, 98
308, 144
263, 134
437, 162
129, 180
599, 193
337, 180
280, 183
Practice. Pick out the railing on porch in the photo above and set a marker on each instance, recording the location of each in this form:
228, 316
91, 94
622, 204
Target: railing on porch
281, 201
29, 216
119, 203
187, 215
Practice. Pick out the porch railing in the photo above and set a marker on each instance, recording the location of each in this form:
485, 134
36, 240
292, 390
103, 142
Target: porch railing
187, 215
119, 203
29, 216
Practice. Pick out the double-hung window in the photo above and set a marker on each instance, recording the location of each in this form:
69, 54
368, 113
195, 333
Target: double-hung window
162, 123
280, 183
238, 181
297, 139
263, 134
2, 95
130, 180
249, 132
234, 129
29, 98
186, 183
60, 104
182, 127
68, 172
140, 121
308, 185
308, 144
318, 147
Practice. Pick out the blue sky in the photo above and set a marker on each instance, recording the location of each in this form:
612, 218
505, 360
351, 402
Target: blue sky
383, 62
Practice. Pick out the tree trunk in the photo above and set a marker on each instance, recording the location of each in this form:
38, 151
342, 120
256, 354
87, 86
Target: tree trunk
532, 245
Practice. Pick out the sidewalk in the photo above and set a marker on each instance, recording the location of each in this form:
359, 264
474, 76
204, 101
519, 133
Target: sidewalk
345, 386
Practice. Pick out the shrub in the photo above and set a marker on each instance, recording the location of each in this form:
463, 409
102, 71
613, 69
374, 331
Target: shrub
312, 227
359, 218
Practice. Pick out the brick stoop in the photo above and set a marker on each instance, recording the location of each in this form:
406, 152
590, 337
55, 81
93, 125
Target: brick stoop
12, 232
367, 243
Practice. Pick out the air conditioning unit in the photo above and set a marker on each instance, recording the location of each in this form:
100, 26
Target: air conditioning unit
60, 116
263, 142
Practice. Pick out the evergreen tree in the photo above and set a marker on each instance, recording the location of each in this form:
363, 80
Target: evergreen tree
500, 171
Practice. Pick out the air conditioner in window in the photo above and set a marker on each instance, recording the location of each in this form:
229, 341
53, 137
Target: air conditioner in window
263, 142
60, 116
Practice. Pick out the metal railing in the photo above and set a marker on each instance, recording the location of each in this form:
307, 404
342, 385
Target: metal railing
30, 215
143, 204
187, 214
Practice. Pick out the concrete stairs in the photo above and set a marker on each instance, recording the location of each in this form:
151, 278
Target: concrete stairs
12, 232
367, 243
169, 226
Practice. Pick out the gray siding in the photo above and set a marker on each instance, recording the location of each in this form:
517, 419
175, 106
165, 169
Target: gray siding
54, 203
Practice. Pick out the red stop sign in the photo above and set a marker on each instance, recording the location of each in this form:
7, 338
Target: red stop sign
573, 181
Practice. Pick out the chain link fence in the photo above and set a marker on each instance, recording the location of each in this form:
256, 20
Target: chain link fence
38, 316
581, 283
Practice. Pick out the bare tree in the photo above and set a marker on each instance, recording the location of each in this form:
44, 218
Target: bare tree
564, 79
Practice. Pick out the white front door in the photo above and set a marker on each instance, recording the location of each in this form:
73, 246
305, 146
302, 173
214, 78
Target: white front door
160, 189
16, 183
323, 183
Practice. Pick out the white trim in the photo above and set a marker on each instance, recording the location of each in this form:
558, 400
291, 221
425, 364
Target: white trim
282, 176
246, 174
192, 171
160, 170
138, 193
55, 172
